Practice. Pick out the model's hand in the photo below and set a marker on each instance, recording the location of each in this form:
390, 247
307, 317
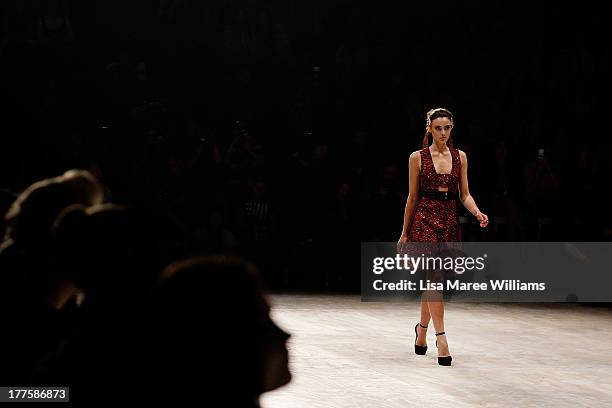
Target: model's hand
483, 219
401, 243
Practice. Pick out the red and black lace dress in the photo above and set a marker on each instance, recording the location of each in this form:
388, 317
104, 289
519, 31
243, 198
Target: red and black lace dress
435, 230
436, 220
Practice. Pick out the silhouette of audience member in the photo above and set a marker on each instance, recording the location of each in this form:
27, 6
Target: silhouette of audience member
7, 198
507, 222
542, 188
32, 214
33, 289
109, 251
212, 338
582, 180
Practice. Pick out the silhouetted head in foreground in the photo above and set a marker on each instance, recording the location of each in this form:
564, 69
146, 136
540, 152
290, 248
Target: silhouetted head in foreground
213, 333
109, 252
32, 214
7, 198
28, 252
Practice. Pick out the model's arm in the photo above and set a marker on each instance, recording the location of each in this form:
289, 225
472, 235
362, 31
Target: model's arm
464, 192
413, 192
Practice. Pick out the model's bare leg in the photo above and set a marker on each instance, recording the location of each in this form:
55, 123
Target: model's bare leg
436, 309
425, 318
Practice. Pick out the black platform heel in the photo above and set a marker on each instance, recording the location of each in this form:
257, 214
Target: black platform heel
443, 361
420, 350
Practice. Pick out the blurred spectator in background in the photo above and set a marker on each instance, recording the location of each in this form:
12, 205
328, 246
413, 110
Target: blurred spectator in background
507, 221
583, 179
542, 192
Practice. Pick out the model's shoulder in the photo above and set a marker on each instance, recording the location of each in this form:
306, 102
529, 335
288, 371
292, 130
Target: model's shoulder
462, 154
416, 154
415, 158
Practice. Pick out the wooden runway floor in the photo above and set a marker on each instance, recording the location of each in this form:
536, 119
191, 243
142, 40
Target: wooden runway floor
345, 353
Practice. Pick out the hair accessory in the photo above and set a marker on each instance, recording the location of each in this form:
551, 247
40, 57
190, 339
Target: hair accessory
431, 112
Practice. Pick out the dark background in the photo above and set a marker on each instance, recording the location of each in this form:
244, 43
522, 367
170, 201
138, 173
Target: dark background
281, 130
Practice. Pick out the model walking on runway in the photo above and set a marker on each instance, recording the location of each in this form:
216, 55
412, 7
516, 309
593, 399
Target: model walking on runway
437, 177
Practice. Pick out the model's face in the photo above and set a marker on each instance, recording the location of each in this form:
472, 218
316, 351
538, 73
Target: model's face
441, 129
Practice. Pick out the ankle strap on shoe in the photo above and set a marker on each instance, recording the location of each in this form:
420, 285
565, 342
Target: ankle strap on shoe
441, 333
423, 326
